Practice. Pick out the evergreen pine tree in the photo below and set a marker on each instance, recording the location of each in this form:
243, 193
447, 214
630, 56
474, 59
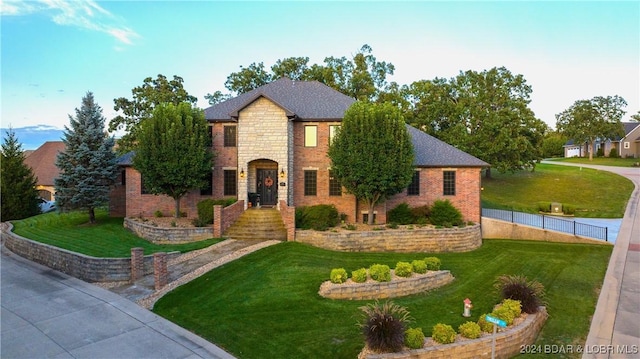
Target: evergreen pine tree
19, 195
88, 165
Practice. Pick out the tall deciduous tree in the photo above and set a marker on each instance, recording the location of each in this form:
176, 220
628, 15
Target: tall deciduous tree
19, 195
139, 108
372, 154
88, 164
172, 154
485, 113
590, 120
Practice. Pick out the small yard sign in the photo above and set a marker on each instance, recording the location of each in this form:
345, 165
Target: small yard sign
497, 321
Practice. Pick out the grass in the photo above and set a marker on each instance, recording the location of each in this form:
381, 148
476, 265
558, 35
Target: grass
265, 305
594, 193
107, 238
601, 161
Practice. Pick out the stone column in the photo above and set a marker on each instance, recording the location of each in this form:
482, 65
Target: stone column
137, 263
160, 273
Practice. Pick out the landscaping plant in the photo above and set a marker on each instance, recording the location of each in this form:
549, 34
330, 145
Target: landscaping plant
384, 326
485, 326
403, 269
443, 213
414, 338
518, 287
401, 214
433, 263
319, 217
443, 334
338, 275
359, 275
380, 272
470, 330
419, 266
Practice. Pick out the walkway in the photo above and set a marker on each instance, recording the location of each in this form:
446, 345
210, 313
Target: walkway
615, 326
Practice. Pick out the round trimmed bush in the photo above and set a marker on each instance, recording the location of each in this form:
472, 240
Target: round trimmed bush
513, 306
414, 338
419, 266
484, 325
443, 213
380, 272
443, 334
433, 263
401, 214
503, 313
470, 330
359, 275
403, 269
338, 275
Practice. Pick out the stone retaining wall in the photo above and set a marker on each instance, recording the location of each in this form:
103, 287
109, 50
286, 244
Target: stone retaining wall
163, 235
426, 239
398, 286
509, 343
87, 268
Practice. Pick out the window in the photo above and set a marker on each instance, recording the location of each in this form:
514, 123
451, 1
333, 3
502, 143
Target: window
310, 136
210, 136
335, 188
449, 183
230, 136
123, 177
310, 183
332, 131
627, 145
365, 217
230, 183
208, 189
414, 187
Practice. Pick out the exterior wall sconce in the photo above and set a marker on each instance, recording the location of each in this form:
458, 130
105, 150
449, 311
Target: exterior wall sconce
282, 173
242, 173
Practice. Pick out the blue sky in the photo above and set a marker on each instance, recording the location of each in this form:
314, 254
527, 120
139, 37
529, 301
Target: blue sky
54, 51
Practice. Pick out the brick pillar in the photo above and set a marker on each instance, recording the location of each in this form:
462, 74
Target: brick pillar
137, 263
217, 221
289, 218
160, 273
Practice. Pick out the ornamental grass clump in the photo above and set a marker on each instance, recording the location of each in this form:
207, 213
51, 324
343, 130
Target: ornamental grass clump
470, 330
338, 275
384, 326
380, 272
403, 269
414, 338
359, 275
443, 334
419, 266
518, 287
433, 263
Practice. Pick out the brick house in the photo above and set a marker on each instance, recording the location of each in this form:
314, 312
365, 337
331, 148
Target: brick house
271, 144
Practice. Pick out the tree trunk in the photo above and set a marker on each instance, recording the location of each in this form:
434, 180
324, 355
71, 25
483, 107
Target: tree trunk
92, 215
487, 173
372, 205
177, 214
593, 148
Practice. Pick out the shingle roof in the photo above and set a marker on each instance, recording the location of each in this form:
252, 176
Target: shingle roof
126, 159
43, 162
431, 152
303, 100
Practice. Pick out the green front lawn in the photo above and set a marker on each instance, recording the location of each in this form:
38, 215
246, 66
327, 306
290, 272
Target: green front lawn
600, 161
106, 238
594, 193
266, 304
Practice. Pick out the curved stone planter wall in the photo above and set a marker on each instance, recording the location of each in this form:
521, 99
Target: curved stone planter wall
398, 286
508, 343
87, 268
162, 235
427, 239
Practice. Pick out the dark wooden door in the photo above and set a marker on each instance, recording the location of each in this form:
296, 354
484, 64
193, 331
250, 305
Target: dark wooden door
267, 187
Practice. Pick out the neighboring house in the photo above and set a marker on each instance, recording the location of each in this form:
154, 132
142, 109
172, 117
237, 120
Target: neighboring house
273, 142
627, 146
43, 163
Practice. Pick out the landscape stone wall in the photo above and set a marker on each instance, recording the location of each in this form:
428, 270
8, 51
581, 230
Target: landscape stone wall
426, 239
163, 234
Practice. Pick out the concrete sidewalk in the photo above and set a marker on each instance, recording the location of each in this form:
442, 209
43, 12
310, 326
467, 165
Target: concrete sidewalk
615, 326
48, 314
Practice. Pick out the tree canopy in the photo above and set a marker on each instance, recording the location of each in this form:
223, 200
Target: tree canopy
88, 164
589, 120
145, 98
172, 155
372, 154
19, 195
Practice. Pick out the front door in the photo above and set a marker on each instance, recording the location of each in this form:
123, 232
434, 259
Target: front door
267, 187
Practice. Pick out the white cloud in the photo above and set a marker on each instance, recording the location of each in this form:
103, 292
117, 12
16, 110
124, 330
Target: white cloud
83, 14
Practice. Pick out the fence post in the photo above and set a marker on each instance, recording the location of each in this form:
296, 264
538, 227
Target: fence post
137, 263
574, 227
543, 221
511, 216
160, 274
606, 234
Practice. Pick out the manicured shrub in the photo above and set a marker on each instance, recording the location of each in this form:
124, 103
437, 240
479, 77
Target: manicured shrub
319, 217
205, 208
359, 275
414, 338
338, 275
419, 266
484, 325
380, 272
420, 213
199, 223
433, 263
517, 287
443, 213
443, 334
569, 209
504, 314
157, 214
614, 153
403, 269
392, 225
600, 152
384, 326
544, 207
400, 214
470, 330
513, 306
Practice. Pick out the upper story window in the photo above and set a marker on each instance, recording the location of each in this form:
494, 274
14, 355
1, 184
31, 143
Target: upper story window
310, 136
414, 186
449, 183
230, 136
333, 129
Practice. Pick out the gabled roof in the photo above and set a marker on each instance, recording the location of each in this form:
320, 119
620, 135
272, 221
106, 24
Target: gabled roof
43, 162
432, 152
302, 100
